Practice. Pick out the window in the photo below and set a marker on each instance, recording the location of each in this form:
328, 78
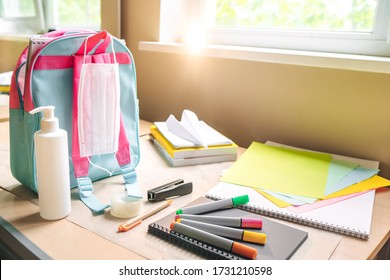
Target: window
37, 16
23, 16
73, 14
348, 26
319, 15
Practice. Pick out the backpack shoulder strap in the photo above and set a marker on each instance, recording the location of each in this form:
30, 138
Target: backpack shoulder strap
123, 155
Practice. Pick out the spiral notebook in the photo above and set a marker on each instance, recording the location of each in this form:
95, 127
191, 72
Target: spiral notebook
349, 217
282, 240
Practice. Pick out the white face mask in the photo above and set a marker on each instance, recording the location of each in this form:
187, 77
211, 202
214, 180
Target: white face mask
99, 108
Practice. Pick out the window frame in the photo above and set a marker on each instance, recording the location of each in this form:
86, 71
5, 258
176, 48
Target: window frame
375, 44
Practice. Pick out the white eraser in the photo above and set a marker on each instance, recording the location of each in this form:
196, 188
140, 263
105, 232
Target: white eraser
124, 206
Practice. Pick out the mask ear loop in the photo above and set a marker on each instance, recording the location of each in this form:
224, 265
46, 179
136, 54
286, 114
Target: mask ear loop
112, 49
85, 49
102, 168
115, 62
80, 95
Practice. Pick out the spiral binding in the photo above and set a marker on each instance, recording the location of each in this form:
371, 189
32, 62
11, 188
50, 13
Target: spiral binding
296, 219
193, 245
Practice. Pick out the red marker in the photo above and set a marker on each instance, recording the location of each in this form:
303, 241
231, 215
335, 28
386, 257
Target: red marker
224, 221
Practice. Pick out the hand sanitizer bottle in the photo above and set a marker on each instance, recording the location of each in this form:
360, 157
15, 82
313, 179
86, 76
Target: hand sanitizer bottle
52, 166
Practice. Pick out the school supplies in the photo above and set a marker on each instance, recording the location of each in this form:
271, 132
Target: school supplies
282, 243
215, 205
217, 241
239, 234
177, 162
48, 72
186, 152
350, 217
124, 206
317, 189
191, 141
190, 132
137, 220
281, 169
171, 189
5, 81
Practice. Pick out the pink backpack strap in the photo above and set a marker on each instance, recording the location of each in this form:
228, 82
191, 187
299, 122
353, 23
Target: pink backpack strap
100, 41
123, 155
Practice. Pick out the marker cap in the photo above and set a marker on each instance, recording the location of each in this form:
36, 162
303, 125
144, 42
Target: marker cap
254, 237
179, 211
251, 223
243, 250
244, 199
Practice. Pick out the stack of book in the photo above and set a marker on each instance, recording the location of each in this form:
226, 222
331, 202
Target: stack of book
191, 142
5, 81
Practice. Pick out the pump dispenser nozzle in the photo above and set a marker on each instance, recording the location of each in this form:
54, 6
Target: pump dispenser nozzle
49, 122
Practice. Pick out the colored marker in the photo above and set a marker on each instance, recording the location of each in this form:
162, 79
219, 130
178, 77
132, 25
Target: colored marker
224, 221
214, 205
235, 233
215, 240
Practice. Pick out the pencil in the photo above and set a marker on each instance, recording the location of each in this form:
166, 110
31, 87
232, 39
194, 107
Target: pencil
137, 220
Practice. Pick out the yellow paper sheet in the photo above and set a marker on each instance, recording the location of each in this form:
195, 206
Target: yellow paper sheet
372, 183
276, 201
281, 169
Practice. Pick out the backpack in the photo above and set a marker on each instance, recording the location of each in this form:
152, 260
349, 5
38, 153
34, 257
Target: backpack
47, 73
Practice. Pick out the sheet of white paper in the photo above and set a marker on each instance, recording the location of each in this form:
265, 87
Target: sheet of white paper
190, 122
190, 132
5, 78
178, 129
175, 140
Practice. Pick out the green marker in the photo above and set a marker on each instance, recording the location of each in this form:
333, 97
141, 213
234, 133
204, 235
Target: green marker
215, 205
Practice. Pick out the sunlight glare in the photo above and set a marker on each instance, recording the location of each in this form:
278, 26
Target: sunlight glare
195, 38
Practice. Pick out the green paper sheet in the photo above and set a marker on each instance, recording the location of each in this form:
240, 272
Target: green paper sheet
338, 170
281, 169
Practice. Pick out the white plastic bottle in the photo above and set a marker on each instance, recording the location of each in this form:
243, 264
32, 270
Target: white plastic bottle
51, 153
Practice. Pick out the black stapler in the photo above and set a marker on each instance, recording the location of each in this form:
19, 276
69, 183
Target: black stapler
175, 188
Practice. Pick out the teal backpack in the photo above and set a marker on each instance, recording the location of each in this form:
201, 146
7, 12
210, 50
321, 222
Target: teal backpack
47, 73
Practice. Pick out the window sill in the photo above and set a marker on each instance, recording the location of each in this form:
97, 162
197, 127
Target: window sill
304, 58
15, 37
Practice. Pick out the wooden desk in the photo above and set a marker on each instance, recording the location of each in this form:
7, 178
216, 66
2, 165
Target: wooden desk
84, 236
